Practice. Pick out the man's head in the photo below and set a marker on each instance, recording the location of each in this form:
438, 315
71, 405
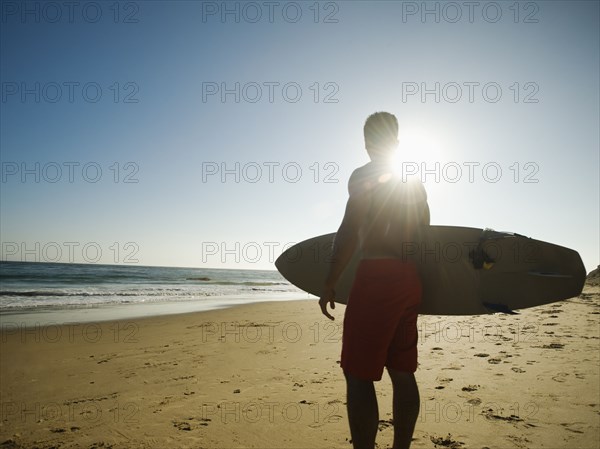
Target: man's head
381, 135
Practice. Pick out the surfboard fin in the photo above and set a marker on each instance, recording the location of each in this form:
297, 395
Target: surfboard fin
502, 308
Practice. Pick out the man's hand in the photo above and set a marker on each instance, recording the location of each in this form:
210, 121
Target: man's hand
327, 296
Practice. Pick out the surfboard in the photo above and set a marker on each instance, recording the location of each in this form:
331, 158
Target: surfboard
464, 271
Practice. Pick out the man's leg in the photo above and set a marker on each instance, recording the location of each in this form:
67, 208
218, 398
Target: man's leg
363, 413
406, 407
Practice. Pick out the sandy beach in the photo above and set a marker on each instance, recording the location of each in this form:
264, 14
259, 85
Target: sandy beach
267, 375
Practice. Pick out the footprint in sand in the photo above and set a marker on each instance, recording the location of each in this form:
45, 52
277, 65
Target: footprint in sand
165, 401
454, 367
385, 423
182, 425
517, 370
443, 380
570, 427
183, 377
553, 346
519, 441
489, 414
470, 388
553, 311
446, 441
204, 421
560, 377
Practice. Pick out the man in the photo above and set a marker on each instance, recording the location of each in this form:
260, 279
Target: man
382, 215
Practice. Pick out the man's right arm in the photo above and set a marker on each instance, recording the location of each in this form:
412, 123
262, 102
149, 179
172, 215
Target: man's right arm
345, 242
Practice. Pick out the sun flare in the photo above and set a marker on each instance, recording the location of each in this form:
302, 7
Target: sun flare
417, 146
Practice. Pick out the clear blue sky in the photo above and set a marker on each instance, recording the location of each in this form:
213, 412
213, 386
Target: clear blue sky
161, 67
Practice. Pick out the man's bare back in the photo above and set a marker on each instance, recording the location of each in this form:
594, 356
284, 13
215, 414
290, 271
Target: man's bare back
393, 211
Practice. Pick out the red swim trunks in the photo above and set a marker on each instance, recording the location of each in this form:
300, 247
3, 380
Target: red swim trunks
380, 324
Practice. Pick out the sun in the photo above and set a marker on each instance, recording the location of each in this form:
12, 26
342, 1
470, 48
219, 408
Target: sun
418, 148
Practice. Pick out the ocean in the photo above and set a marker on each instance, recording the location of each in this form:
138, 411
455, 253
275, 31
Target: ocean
27, 287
